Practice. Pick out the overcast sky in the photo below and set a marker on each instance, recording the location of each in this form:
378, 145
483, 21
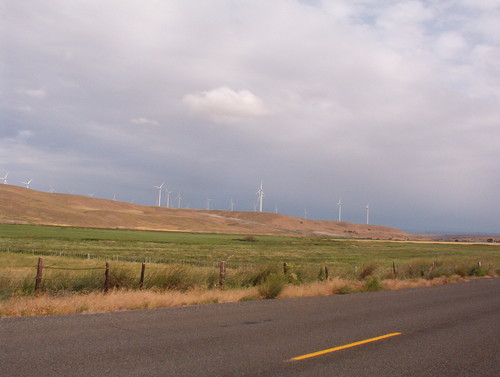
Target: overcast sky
391, 103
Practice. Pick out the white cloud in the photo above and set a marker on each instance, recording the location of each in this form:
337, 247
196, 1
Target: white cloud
451, 45
224, 105
34, 93
144, 121
351, 93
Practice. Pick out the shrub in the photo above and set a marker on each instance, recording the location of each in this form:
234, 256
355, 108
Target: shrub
272, 286
478, 270
367, 270
372, 284
343, 290
172, 278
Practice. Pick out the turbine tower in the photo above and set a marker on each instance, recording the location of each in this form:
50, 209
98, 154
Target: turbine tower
231, 205
208, 203
5, 178
179, 198
168, 197
339, 204
160, 187
27, 183
260, 194
368, 213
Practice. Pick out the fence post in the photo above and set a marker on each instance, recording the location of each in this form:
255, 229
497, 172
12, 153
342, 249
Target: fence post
106, 278
326, 273
143, 270
394, 271
222, 274
38, 279
284, 268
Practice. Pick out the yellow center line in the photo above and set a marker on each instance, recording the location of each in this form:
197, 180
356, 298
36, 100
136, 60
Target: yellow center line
319, 353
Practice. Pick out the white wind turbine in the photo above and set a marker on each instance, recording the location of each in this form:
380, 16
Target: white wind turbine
168, 197
179, 198
260, 194
368, 213
160, 187
208, 203
52, 190
5, 178
339, 204
231, 205
27, 183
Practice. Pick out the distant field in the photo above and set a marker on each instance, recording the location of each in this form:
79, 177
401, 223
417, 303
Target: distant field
195, 248
74, 259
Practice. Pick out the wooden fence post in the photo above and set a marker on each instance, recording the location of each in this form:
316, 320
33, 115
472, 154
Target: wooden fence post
326, 273
106, 278
284, 268
394, 271
222, 274
143, 270
38, 279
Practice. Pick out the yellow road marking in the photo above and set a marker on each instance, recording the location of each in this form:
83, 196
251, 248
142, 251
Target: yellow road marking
319, 353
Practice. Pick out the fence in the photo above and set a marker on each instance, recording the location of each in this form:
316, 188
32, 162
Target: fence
104, 280
106, 276
214, 276
122, 258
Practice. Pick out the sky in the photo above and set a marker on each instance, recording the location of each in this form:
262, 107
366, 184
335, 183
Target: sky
395, 104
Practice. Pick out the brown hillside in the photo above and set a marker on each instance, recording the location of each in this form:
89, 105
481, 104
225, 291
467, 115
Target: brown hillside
25, 206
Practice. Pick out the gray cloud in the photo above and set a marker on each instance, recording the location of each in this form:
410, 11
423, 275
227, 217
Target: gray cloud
393, 103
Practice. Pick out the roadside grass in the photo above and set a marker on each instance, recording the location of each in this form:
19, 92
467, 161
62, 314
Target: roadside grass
122, 299
182, 268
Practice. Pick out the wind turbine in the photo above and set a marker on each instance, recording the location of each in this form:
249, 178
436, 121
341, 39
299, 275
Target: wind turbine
368, 213
305, 213
339, 204
5, 178
52, 190
160, 187
168, 197
231, 205
261, 195
27, 183
179, 198
208, 203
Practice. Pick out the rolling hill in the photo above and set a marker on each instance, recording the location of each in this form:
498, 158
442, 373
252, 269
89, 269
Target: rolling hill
19, 205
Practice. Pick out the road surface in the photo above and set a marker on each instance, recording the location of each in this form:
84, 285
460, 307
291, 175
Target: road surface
450, 330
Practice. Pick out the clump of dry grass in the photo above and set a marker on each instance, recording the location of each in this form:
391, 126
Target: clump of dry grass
394, 284
322, 288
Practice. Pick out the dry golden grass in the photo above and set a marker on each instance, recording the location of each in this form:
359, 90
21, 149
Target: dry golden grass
321, 288
117, 300
148, 299
394, 284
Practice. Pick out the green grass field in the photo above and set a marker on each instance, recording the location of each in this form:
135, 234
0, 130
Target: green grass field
249, 259
237, 249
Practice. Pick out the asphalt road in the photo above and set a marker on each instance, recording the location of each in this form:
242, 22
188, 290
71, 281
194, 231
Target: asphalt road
450, 330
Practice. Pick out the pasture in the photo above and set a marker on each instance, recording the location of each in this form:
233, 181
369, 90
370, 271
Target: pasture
182, 261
